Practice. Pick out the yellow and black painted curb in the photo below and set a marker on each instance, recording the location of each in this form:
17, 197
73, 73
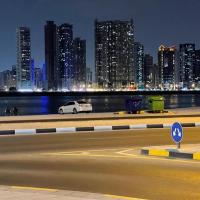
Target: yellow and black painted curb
170, 154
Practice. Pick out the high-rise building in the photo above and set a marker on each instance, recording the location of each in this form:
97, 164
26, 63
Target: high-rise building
44, 75
139, 64
156, 76
8, 79
65, 56
80, 63
149, 78
23, 59
187, 63
38, 84
167, 66
197, 67
114, 51
1, 82
88, 77
51, 56
32, 72
13, 80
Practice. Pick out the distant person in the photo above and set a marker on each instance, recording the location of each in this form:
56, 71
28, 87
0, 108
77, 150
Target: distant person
15, 111
7, 111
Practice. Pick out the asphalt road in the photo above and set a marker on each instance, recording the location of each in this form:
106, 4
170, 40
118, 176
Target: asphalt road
107, 163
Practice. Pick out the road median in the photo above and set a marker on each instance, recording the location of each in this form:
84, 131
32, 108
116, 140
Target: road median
191, 152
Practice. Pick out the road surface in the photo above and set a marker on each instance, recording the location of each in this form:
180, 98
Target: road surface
107, 163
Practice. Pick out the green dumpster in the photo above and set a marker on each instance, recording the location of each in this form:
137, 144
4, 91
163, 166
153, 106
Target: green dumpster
156, 104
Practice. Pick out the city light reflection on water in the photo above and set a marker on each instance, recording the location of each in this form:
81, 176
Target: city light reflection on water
44, 104
50, 104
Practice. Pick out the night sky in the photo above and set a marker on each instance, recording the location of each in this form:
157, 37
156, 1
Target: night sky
156, 22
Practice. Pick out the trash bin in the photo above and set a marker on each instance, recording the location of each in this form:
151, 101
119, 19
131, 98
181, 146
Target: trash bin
134, 105
156, 104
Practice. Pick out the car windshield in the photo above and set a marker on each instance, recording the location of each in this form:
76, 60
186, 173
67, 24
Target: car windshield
82, 102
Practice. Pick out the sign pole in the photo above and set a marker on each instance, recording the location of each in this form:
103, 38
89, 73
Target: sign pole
178, 145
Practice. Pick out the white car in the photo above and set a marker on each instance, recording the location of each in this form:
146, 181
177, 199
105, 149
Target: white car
75, 107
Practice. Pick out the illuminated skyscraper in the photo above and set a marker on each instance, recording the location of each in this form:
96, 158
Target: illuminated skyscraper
23, 70
167, 66
187, 64
65, 57
149, 72
139, 64
197, 67
114, 51
80, 62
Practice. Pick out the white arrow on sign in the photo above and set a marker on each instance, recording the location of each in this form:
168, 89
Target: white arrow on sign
177, 131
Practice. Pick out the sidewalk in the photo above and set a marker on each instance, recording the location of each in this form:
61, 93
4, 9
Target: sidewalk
28, 193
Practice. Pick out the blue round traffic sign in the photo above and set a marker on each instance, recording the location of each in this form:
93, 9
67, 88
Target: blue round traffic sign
177, 132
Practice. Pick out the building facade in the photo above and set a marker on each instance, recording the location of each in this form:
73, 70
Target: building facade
80, 63
149, 77
23, 69
65, 57
139, 65
51, 56
167, 67
8, 79
38, 83
187, 64
89, 80
196, 72
114, 54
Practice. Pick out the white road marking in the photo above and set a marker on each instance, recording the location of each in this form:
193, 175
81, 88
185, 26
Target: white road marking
126, 154
121, 154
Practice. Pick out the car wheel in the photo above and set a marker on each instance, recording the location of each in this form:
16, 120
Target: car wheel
75, 111
61, 111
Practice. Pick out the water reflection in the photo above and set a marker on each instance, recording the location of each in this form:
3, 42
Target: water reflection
44, 104
50, 105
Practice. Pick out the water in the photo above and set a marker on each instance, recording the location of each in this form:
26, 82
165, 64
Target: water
34, 105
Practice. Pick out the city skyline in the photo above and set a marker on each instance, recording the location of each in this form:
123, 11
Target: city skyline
150, 30
119, 60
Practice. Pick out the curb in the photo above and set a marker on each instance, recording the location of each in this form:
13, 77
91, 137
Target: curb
170, 154
92, 129
100, 118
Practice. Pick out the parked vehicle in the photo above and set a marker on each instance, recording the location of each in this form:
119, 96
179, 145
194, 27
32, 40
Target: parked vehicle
75, 107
